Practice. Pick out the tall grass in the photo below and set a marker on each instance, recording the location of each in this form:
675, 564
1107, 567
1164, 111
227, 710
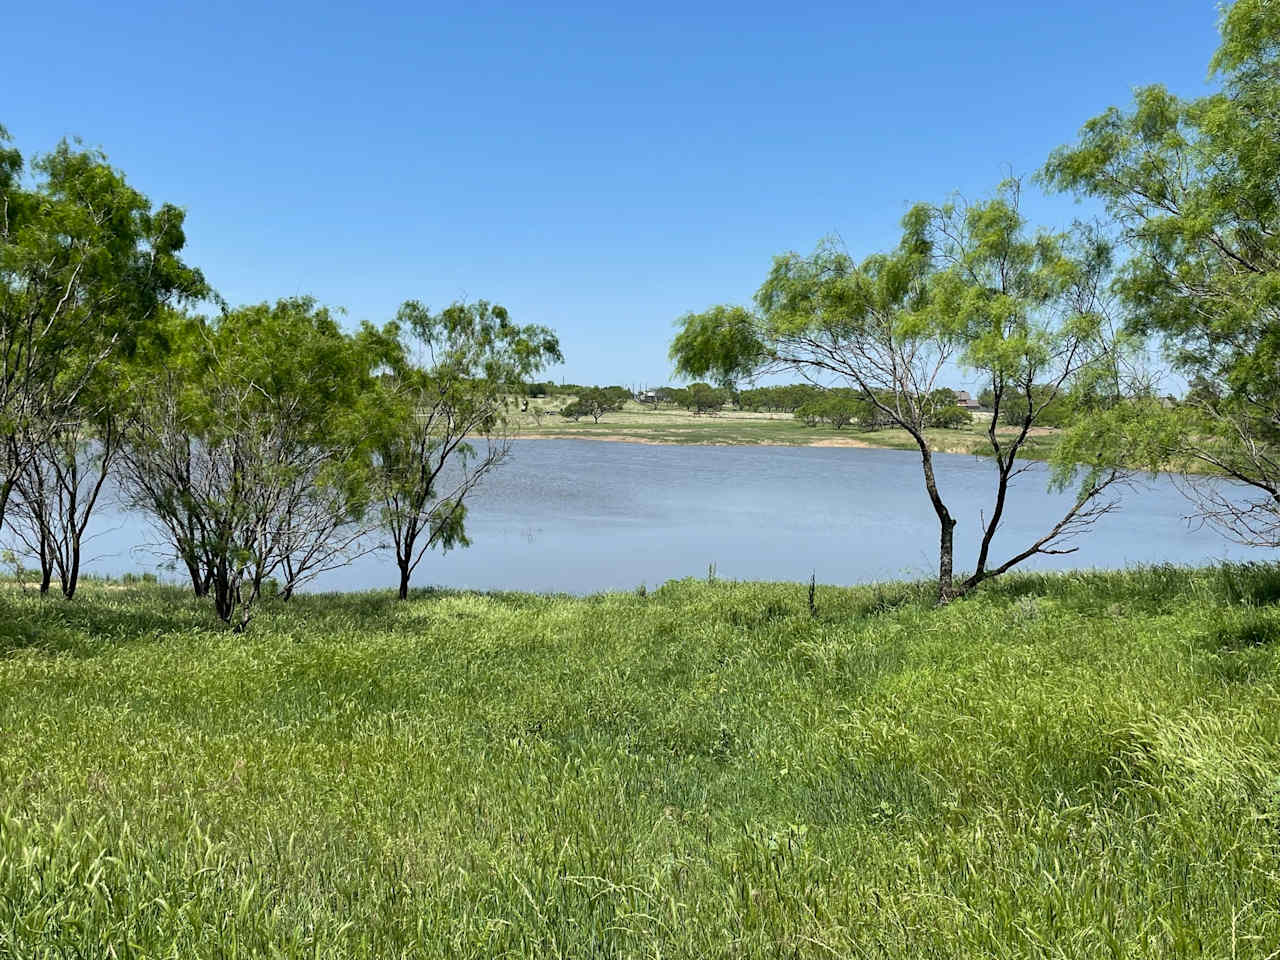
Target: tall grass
1083, 765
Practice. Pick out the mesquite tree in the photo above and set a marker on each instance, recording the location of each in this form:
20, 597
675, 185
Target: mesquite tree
1192, 187
968, 285
450, 419
57, 493
85, 264
250, 449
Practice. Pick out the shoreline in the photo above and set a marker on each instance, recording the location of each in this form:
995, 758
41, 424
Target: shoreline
14, 588
847, 443
1029, 453
648, 441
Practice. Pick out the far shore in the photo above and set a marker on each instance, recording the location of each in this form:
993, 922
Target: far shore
709, 442
637, 423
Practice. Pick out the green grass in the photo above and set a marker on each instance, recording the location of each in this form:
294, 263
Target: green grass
1084, 765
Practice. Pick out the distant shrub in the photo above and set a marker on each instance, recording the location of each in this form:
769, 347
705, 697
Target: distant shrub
839, 408
810, 413
951, 418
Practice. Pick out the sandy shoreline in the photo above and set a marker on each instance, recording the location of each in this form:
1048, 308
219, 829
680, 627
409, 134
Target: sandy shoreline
849, 443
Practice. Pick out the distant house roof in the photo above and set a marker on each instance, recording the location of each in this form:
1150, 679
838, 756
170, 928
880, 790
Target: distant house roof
964, 400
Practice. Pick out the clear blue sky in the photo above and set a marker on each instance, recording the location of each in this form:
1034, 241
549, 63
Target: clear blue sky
597, 170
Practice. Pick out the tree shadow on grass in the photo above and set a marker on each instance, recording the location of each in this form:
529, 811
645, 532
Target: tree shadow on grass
1244, 629
1251, 584
111, 616
96, 620
1150, 588
379, 611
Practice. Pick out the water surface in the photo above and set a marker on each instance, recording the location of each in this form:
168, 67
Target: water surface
581, 516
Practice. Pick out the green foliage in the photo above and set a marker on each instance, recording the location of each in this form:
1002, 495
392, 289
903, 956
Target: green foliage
595, 402
1074, 766
251, 447
702, 398
443, 420
950, 418
722, 342
1053, 405
676, 396
840, 408
840, 412
699, 398
669, 395
1191, 184
971, 283
811, 413
783, 399
86, 264
574, 410
942, 410
1192, 189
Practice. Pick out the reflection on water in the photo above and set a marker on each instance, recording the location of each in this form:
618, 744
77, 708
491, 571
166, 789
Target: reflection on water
580, 516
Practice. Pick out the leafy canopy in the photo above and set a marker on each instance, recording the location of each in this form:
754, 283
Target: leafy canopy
1192, 188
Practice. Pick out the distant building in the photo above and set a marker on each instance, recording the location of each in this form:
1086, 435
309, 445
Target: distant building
966, 402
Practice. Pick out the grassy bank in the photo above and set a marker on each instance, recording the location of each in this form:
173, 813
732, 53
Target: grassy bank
1061, 766
638, 423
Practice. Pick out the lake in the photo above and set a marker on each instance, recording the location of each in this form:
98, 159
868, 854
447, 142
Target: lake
580, 516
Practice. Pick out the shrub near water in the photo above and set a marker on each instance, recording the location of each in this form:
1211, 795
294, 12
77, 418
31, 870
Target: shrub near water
1060, 766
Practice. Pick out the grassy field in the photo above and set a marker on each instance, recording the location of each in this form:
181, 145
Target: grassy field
643, 424
1080, 765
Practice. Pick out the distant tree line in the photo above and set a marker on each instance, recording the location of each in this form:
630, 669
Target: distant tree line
596, 402
843, 406
788, 398
1053, 407
837, 406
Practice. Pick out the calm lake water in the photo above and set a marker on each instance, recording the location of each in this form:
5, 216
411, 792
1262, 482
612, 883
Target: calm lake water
580, 516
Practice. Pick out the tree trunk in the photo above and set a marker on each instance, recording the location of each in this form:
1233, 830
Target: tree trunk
997, 514
224, 593
286, 592
72, 577
198, 582
246, 607
946, 554
946, 525
46, 556
6, 489
404, 543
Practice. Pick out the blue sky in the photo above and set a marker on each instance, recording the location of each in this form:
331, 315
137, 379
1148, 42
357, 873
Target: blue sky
598, 170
